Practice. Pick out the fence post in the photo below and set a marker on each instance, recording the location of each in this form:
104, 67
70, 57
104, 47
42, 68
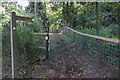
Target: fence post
83, 43
13, 43
64, 30
47, 42
74, 35
100, 50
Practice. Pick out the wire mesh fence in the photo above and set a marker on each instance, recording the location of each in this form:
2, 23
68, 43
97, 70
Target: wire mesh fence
107, 51
29, 47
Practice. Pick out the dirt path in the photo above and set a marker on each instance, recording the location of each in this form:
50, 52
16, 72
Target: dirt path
70, 62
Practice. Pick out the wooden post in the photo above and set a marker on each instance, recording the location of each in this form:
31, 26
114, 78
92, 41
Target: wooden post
100, 52
47, 42
83, 43
74, 37
100, 47
14, 53
64, 25
13, 47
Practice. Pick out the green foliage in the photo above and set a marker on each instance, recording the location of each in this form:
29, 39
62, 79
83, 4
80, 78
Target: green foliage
108, 32
78, 15
105, 32
114, 28
111, 31
54, 14
91, 31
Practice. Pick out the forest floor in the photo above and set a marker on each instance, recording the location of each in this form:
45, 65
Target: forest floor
68, 61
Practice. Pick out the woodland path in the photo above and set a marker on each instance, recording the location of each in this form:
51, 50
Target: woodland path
68, 61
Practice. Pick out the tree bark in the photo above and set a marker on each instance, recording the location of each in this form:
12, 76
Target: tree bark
97, 28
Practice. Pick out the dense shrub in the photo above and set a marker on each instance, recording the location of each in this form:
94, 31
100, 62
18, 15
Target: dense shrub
109, 32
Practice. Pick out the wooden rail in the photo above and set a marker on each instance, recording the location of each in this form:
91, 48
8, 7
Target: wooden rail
24, 18
93, 36
46, 33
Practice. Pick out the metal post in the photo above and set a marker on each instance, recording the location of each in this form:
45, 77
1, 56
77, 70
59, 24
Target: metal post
13, 50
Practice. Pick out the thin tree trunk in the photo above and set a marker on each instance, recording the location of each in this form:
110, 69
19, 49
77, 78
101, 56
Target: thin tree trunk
35, 9
97, 29
63, 12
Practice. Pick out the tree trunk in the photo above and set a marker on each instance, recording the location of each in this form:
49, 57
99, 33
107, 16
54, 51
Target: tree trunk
97, 28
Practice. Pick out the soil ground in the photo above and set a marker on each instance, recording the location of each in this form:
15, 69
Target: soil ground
68, 61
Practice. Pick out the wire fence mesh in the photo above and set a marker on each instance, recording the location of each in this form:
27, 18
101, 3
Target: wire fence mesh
29, 47
107, 51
